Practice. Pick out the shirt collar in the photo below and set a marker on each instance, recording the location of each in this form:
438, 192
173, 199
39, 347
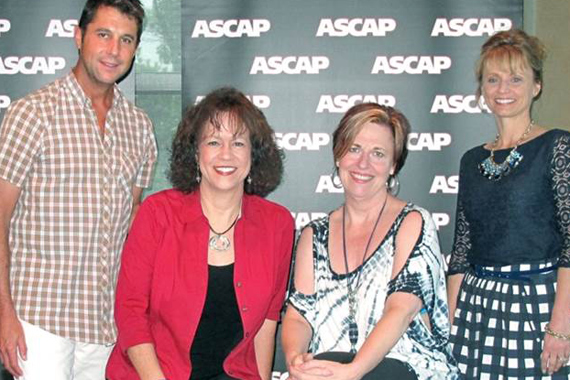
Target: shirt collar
193, 209
77, 91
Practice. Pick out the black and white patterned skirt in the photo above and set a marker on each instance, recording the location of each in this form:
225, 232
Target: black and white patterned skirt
498, 326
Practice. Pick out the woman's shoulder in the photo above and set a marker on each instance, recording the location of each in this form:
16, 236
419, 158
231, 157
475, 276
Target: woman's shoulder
171, 198
428, 228
474, 153
264, 208
318, 224
558, 136
411, 207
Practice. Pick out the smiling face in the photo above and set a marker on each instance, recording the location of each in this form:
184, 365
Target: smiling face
106, 48
365, 167
509, 92
224, 157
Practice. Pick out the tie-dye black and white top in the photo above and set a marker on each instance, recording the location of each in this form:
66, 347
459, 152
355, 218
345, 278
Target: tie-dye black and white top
426, 351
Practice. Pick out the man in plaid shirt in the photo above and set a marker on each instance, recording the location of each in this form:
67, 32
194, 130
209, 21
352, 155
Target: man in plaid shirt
74, 158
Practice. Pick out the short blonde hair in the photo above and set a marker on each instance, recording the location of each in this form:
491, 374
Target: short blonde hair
514, 49
357, 116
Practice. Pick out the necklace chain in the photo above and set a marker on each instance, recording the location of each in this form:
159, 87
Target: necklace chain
519, 141
353, 329
493, 171
219, 242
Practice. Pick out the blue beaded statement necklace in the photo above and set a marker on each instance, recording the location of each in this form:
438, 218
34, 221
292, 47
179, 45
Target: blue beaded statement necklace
493, 171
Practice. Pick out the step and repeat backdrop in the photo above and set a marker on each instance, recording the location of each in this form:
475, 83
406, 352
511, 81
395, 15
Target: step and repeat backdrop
304, 63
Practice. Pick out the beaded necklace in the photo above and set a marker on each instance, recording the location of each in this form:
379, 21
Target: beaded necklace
493, 171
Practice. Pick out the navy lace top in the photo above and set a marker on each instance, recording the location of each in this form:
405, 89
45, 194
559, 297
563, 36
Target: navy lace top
523, 217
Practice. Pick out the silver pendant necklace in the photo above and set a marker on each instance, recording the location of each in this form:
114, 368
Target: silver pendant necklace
493, 171
219, 242
352, 291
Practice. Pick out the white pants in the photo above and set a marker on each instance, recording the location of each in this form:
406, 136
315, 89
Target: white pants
55, 358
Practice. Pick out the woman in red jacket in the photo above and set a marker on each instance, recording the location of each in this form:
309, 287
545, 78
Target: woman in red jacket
205, 266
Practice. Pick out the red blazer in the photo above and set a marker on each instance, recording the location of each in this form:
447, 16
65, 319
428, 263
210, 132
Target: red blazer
163, 280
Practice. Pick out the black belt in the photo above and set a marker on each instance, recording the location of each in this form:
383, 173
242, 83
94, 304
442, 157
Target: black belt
513, 275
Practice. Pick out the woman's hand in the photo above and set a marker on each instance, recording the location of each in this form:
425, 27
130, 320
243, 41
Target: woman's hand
555, 352
314, 369
294, 366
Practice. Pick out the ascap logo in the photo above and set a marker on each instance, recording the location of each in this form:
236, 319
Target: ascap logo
4, 26
440, 219
458, 104
356, 27
31, 65
472, 27
411, 65
327, 185
429, 141
341, 103
445, 185
61, 28
4, 101
298, 141
302, 218
289, 65
230, 28
260, 101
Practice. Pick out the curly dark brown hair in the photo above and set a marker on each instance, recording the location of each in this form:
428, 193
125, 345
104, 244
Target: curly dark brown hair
266, 158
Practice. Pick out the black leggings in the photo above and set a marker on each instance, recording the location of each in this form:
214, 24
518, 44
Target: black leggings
387, 369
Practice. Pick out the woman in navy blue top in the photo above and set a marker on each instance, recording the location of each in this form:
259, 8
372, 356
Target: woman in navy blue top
509, 276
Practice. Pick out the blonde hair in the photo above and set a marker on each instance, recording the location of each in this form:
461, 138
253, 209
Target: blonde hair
513, 49
357, 116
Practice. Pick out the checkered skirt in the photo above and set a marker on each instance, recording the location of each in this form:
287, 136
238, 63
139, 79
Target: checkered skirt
497, 331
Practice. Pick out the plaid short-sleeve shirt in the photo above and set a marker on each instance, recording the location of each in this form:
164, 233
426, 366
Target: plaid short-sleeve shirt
70, 222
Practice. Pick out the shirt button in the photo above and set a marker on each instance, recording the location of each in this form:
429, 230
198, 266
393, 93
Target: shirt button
247, 335
244, 308
238, 284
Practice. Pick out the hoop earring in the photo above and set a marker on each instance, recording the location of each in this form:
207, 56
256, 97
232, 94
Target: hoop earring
393, 184
334, 175
198, 176
248, 179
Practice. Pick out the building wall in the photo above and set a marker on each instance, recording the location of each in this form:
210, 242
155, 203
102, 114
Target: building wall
548, 20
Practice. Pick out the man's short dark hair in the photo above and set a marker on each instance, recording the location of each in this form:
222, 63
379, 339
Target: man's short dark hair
130, 8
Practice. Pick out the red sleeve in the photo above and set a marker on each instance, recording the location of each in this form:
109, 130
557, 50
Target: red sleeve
135, 279
283, 248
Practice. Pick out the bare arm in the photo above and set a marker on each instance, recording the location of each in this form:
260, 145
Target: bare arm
297, 333
145, 361
453, 285
12, 340
400, 308
555, 348
399, 311
264, 343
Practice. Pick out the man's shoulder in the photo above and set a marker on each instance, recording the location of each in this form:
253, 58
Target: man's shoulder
128, 107
44, 95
